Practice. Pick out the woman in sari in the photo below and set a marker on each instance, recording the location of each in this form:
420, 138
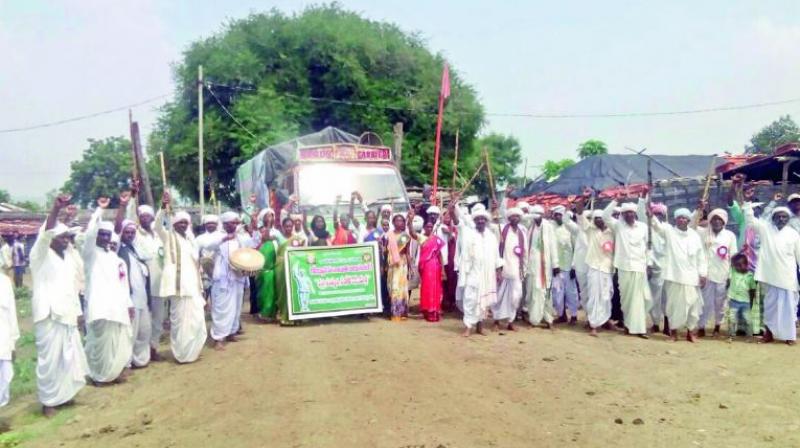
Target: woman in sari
397, 242
370, 231
430, 270
281, 294
318, 235
265, 280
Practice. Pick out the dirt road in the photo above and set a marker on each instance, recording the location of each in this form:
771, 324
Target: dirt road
380, 384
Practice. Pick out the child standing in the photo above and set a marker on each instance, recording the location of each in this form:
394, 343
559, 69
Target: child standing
741, 293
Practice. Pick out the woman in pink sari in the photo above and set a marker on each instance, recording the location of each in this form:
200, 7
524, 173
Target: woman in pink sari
430, 271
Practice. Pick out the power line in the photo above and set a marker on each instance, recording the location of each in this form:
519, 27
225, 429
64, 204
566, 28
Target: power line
83, 117
227, 112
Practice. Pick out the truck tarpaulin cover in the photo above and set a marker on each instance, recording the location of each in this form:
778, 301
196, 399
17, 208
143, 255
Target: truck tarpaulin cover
255, 175
611, 170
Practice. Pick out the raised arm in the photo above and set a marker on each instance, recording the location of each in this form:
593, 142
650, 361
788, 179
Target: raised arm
410, 225
124, 202
92, 229
750, 219
608, 214
46, 235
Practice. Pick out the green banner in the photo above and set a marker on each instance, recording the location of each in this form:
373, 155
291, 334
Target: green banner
333, 280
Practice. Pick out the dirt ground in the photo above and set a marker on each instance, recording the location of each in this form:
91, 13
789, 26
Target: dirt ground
349, 382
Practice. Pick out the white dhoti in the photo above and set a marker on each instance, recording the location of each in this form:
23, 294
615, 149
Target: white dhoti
539, 303
509, 295
634, 294
187, 328
473, 311
142, 329
658, 301
780, 312
583, 287
460, 298
226, 308
6, 375
598, 292
61, 365
158, 312
714, 297
564, 294
683, 305
109, 346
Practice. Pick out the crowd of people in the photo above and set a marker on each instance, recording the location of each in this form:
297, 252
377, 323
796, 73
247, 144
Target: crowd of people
101, 295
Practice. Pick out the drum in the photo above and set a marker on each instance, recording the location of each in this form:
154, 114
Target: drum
246, 262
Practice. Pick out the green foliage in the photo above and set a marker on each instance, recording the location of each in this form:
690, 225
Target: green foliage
591, 148
4, 196
29, 205
104, 170
781, 131
286, 69
24, 381
553, 168
504, 155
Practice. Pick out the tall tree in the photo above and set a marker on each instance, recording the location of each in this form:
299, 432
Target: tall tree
553, 168
104, 169
781, 131
4, 196
592, 148
504, 156
287, 75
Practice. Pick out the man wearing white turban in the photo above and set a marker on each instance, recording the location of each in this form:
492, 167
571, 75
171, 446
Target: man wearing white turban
479, 266
599, 259
630, 260
685, 269
542, 267
513, 249
720, 245
61, 362
181, 284
227, 290
109, 309
204, 244
778, 257
564, 288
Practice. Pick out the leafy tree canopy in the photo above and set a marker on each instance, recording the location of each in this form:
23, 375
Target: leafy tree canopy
591, 148
504, 155
553, 168
287, 75
4, 196
781, 131
104, 170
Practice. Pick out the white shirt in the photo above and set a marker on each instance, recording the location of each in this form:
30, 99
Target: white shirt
685, 260
719, 268
107, 288
222, 251
564, 240
778, 254
630, 251
515, 266
55, 294
181, 274
599, 245
9, 329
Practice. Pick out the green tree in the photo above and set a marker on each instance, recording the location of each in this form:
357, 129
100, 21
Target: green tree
104, 170
504, 155
781, 131
4, 196
29, 205
553, 168
591, 148
287, 75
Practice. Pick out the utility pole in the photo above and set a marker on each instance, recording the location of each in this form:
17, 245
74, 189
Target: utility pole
525, 173
200, 189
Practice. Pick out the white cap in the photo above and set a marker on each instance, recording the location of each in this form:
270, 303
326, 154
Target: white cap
782, 209
628, 207
60, 229
106, 225
128, 223
145, 209
559, 209
537, 210
208, 219
229, 217
478, 206
479, 211
682, 212
262, 214
386, 207
792, 197
182, 216
434, 209
514, 211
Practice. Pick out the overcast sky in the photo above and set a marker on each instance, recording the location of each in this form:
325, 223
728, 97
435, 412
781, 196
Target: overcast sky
69, 58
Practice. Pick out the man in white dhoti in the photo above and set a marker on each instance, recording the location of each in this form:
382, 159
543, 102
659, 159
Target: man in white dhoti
211, 232
181, 284
514, 250
542, 267
139, 287
150, 249
720, 245
61, 362
564, 288
227, 289
655, 262
600, 263
630, 260
479, 267
685, 269
109, 337
9, 333
778, 257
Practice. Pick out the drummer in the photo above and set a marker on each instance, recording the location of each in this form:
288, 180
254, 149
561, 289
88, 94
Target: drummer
210, 233
227, 287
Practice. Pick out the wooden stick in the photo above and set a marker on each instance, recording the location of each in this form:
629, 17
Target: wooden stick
708, 177
164, 186
472, 179
489, 171
455, 164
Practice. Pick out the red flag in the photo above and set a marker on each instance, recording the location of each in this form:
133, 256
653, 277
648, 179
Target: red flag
444, 93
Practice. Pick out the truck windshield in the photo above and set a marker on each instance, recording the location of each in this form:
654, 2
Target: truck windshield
319, 184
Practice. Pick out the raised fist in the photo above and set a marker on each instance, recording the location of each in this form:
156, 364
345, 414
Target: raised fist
103, 202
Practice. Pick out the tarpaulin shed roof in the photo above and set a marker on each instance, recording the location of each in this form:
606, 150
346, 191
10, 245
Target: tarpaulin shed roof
770, 167
611, 170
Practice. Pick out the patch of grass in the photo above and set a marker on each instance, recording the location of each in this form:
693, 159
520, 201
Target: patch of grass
24, 381
32, 426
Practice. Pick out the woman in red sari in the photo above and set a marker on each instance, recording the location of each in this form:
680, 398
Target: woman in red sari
430, 272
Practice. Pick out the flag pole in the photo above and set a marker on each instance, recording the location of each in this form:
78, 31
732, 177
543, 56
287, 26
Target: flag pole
444, 92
